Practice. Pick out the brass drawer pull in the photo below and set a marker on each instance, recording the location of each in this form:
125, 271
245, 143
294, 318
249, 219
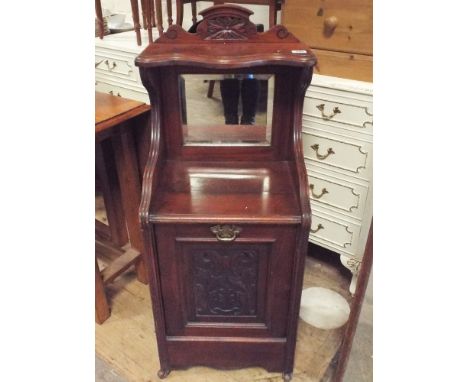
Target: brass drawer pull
226, 232
111, 92
320, 156
324, 191
336, 111
114, 64
319, 227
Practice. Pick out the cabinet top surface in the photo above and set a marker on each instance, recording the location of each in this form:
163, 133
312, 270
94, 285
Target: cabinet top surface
226, 38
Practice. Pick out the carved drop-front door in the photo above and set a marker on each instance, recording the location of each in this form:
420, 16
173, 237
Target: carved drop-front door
234, 288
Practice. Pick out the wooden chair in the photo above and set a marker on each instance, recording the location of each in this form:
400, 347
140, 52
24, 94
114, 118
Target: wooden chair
274, 7
135, 17
118, 171
180, 10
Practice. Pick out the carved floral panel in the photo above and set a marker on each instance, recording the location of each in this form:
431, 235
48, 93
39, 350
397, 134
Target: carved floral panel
225, 281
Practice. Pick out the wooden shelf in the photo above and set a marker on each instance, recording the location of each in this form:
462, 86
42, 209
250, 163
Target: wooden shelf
226, 191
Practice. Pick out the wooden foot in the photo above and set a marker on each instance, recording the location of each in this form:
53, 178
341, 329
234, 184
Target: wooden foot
140, 267
287, 377
163, 373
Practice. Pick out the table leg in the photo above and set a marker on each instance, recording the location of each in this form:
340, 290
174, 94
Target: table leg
109, 184
130, 187
101, 304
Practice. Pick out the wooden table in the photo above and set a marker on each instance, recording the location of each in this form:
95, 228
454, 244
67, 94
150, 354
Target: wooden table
119, 176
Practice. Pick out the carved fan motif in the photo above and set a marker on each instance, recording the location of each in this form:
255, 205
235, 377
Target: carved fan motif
227, 28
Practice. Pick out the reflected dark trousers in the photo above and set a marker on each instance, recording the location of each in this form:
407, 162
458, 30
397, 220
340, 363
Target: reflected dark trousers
230, 91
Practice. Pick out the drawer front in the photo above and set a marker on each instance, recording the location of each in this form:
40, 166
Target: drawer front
116, 67
345, 155
119, 91
342, 197
338, 235
338, 25
225, 280
319, 106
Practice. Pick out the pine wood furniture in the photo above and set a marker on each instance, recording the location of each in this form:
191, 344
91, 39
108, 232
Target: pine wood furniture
119, 178
226, 225
339, 31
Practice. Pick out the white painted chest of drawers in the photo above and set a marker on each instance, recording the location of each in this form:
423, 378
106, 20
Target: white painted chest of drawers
115, 70
337, 138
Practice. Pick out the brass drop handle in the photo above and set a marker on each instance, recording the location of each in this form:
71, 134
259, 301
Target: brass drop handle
324, 191
319, 227
226, 232
111, 92
114, 64
320, 156
330, 24
326, 117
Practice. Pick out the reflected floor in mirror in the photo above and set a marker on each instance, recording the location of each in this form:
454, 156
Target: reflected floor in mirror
126, 341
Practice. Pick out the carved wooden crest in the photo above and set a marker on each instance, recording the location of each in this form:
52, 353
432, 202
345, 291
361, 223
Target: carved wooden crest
226, 22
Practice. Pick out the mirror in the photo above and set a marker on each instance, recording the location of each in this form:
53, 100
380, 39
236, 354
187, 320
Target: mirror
226, 109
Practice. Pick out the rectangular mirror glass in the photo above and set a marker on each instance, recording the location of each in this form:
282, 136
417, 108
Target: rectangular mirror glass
226, 109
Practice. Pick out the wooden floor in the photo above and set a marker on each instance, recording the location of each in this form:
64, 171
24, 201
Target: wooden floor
127, 341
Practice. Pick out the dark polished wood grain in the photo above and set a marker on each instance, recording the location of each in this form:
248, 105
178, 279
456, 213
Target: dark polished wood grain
226, 227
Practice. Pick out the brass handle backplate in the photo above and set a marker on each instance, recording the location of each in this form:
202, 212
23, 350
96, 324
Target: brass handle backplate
319, 227
324, 191
320, 156
321, 107
226, 232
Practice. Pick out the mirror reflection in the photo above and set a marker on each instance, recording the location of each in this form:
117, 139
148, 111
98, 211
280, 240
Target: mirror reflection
227, 109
